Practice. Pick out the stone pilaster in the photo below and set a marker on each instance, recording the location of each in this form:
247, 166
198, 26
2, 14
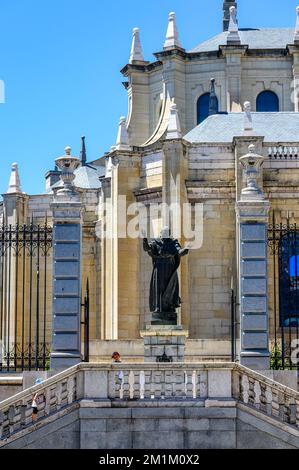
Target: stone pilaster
252, 218
233, 55
66, 290
120, 250
15, 212
174, 196
138, 89
294, 51
174, 70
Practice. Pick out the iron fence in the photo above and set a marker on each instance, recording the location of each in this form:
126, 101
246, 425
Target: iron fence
283, 245
25, 296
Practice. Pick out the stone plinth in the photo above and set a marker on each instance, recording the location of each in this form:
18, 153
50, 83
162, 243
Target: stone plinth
164, 343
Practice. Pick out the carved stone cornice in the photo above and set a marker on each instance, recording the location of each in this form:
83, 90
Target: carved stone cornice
149, 195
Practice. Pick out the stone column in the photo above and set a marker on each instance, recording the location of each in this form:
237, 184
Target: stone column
15, 212
138, 100
174, 196
66, 291
119, 250
252, 216
166, 342
233, 55
294, 51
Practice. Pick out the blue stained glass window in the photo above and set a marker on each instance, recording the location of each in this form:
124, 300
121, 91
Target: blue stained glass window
203, 107
289, 279
267, 102
294, 266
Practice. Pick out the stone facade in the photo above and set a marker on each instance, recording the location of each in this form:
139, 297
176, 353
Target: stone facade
163, 156
158, 428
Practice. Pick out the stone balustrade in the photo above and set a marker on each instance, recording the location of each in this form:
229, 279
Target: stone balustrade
222, 384
283, 153
265, 395
151, 383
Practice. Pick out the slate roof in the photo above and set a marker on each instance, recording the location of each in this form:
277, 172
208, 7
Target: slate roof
266, 38
222, 128
87, 177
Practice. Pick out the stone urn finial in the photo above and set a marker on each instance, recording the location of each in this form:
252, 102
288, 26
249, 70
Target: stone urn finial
67, 164
252, 163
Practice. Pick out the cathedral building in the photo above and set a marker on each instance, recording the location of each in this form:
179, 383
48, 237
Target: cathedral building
203, 174
216, 128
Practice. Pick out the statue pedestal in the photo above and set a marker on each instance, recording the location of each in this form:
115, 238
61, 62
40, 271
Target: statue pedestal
164, 343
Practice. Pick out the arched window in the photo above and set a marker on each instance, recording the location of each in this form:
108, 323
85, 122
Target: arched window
203, 107
289, 279
267, 102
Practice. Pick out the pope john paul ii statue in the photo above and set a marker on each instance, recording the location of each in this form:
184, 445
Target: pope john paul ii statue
164, 297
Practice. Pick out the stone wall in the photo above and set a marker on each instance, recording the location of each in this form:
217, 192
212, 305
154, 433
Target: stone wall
90, 426
10, 385
196, 350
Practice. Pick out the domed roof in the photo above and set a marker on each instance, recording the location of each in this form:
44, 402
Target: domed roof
222, 128
266, 38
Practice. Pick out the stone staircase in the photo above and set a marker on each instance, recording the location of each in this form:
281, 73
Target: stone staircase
189, 405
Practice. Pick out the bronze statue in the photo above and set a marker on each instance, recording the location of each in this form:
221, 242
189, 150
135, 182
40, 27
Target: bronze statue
164, 298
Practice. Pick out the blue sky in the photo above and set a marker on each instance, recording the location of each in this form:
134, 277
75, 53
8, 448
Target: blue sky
60, 61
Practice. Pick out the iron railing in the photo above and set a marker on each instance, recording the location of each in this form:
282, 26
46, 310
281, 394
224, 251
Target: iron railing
283, 245
85, 324
25, 300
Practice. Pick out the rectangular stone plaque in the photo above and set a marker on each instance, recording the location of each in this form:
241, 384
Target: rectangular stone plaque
253, 250
254, 304
254, 286
253, 232
66, 323
65, 305
66, 287
254, 268
67, 232
66, 268
254, 322
65, 341
257, 340
66, 250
